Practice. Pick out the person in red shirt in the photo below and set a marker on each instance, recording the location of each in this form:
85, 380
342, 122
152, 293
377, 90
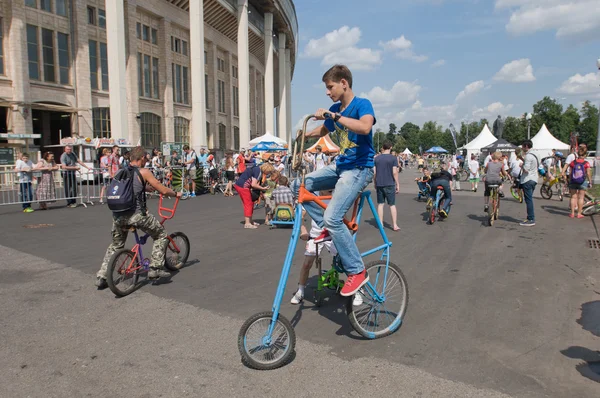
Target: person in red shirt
580, 179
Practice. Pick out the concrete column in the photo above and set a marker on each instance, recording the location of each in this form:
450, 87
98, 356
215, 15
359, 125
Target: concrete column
21, 119
133, 97
288, 99
166, 69
117, 67
229, 130
198, 132
269, 75
282, 128
81, 76
244, 72
212, 138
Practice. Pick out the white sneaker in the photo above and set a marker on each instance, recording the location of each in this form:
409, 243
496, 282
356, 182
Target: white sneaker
297, 298
358, 299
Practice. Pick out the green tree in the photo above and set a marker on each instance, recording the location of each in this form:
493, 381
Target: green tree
430, 135
547, 111
588, 127
569, 124
378, 138
445, 141
515, 130
410, 133
393, 129
400, 144
391, 135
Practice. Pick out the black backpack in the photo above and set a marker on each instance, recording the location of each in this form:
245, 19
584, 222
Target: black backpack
120, 195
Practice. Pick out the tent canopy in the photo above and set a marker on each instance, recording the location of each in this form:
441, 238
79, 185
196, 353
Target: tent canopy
268, 137
544, 142
500, 145
407, 152
484, 138
268, 146
326, 144
436, 149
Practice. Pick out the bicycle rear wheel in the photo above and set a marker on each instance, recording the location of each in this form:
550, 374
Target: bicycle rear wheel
546, 191
432, 214
261, 351
178, 251
123, 272
514, 191
384, 301
591, 209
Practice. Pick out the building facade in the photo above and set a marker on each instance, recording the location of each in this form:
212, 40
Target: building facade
147, 70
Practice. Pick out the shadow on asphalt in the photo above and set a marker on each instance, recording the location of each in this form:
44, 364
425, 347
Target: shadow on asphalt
561, 211
590, 321
509, 219
481, 218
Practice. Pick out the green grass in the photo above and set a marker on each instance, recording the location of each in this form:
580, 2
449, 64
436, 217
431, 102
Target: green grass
594, 191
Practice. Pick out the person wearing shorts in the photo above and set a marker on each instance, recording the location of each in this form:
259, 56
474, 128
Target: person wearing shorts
578, 189
494, 171
473, 173
190, 167
386, 182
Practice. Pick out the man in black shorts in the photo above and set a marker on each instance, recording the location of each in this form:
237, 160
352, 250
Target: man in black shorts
386, 182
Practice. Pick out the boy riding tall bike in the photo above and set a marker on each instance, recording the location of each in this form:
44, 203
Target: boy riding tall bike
350, 119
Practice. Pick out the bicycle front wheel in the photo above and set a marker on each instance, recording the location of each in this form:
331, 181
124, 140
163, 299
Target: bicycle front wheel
123, 272
381, 307
590, 210
178, 251
184, 194
514, 191
546, 191
262, 351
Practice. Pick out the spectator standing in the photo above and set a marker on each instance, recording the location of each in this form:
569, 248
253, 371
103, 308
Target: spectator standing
70, 162
386, 182
115, 164
529, 179
190, 167
230, 174
249, 180
580, 179
45, 191
473, 172
320, 159
23, 168
240, 163
106, 170
454, 167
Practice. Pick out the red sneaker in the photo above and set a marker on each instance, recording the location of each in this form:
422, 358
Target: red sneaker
324, 237
354, 283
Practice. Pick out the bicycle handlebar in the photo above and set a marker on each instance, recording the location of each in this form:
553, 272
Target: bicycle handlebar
170, 212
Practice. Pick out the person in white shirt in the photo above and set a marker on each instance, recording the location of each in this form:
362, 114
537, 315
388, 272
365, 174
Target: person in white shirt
473, 172
23, 168
454, 171
487, 159
320, 159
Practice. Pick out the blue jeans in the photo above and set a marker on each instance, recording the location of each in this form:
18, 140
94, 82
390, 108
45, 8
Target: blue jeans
528, 189
447, 192
26, 195
347, 184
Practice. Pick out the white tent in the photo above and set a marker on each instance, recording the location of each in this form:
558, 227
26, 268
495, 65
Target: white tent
544, 142
268, 137
407, 152
484, 139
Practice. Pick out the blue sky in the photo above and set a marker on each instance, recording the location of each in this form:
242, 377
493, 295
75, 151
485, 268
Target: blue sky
449, 60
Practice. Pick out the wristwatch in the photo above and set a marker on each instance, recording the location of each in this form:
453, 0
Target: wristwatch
337, 117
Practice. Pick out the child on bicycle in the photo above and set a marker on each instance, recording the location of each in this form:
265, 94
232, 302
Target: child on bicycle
494, 171
140, 219
350, 119
423, 183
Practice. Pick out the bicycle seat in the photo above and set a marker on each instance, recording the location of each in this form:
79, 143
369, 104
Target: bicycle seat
440, 188
493, 186
131, 229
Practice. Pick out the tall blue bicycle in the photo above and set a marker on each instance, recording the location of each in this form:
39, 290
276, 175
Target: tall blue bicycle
434, 204
267, 339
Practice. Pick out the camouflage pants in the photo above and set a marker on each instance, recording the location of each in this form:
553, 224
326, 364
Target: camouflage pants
146, 223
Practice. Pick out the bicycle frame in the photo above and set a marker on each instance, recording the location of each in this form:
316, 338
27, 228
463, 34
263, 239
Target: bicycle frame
352, 224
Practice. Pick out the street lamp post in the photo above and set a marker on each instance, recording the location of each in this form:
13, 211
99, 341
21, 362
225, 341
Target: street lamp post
528, 117
596, 168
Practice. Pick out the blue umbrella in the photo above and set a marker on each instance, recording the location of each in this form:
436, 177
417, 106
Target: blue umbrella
436, 149
267, 146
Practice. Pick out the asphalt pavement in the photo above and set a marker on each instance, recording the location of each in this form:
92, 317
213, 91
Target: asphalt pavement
494, 311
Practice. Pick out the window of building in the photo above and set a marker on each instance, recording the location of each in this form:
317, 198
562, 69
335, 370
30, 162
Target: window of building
186, 85
140, 76
177, 83
182, 129
221, 96
138, 30
206, 103
205, 57
208, 137
236, 101
31, 3
234, 71
236, 138
104, 65
91, 11
145, 33
61, 8
147, 78
184, 47
32, 52
150, 128
93, 48
177, 45
221, 64
155, 82
48, 55
101, 18
46, 5
63, 58
101, 122
1, 46
222, 136
154, 36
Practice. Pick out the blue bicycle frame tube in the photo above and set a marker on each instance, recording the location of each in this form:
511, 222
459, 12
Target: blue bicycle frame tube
287, 265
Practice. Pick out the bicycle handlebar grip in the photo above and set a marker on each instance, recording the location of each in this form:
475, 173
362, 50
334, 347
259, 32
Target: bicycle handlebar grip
327, 115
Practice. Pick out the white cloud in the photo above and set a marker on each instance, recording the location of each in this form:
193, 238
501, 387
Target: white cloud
581, 84
439, 63
403, 49
401, 43
442, 114
470, 88
518, 71
567, 18
491, 111
339, 47
401, 93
